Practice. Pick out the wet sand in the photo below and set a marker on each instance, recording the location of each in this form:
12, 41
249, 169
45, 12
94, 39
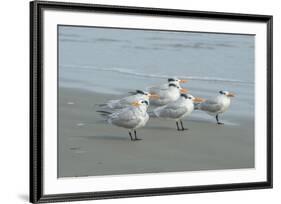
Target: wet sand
88, 146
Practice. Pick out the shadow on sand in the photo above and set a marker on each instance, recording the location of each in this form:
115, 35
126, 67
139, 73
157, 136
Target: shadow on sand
106, 137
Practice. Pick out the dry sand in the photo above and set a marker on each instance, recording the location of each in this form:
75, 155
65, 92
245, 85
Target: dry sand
88, 146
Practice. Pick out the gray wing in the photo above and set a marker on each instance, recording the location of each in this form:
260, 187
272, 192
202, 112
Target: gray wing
120, 103
170, 111
129, 99
210, 106
125, 118
126, 100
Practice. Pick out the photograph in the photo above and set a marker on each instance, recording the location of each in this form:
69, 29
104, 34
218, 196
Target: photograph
129, 101
145, 101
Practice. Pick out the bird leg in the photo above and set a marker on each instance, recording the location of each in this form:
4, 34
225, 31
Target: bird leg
131, 136
217, 118
136, 135
177, 126
182, 128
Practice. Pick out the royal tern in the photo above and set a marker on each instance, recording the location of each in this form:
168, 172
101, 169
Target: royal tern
216, 106
127, 101
176, 110
167, 95
131, 117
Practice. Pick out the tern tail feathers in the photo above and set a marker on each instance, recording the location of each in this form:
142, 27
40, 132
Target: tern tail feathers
101, 105
104, 113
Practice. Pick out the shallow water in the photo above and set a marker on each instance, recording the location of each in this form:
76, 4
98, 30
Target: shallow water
115, 61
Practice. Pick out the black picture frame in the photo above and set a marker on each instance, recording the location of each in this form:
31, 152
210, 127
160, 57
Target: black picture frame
36, 101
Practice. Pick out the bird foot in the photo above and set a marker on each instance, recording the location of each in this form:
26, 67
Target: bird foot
136, 139
219, 123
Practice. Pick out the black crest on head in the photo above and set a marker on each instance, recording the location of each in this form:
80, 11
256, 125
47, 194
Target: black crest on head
139, 92
171, 79
184, 95
173, 85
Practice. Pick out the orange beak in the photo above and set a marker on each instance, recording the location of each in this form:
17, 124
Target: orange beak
154, 96
183, 81
183, 90
230, 95
198, 100
135, 103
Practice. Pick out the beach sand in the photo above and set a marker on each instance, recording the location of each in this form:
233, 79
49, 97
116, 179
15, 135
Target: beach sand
88, 146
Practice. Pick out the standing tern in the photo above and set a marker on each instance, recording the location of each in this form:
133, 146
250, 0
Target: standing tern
217, 105
178, 109
127, 101
131, 118
167, 95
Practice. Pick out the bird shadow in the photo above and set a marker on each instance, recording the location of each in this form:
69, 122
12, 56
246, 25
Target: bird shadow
160, 128
97, 122
199, 121
105, 137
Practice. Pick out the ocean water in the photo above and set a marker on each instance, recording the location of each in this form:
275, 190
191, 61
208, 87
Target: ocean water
115, 61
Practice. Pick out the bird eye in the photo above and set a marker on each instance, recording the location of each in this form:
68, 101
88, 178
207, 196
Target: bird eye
145, 102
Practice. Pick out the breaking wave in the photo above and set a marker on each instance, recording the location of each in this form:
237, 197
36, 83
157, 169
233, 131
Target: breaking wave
157, 76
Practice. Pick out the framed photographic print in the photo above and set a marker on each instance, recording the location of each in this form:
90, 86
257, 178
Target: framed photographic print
131, 101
